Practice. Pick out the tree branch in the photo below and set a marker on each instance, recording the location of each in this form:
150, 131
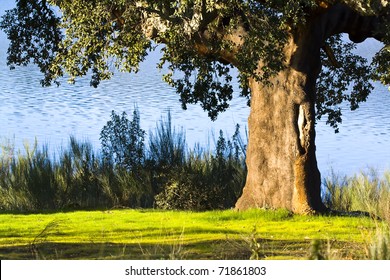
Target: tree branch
332, 58
341, 18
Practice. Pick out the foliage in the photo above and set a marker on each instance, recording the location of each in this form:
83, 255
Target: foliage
348, 81
207, 181
29, 179
167, 147
125, 173
202, 41
381, 65
168, 176
33, 29
122, 141
77, 179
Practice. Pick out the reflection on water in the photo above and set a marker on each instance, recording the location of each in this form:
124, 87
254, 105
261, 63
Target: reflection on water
52, 114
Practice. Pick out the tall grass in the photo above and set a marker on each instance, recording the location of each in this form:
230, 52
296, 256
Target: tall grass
378, 247
126, 173
77, 177
167, 146
162, 173
366, 192
201, 179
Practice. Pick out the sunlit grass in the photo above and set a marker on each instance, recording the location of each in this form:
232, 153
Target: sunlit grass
366, 191
151, 234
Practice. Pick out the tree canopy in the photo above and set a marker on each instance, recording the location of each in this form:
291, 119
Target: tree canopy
202, 40
296, 62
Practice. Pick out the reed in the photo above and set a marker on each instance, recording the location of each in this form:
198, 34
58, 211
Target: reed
165, 173
125, 173
167, 145
366, 192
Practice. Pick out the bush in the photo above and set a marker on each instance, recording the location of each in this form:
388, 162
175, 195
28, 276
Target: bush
77, 175
122, 141
28, 178
125, 174
166, 154
206, 181
78, 179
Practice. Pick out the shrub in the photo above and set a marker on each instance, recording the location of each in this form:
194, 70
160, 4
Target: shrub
78, 179
167, 175
206, 181
122, 140
30, 175
166, 154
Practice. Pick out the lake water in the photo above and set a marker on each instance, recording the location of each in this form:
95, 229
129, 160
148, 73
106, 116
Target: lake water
28, 111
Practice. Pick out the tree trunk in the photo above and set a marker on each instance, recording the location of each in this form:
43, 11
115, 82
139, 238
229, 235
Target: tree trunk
281, 160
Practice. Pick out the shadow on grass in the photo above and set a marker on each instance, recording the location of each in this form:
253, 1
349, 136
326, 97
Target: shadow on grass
221, 249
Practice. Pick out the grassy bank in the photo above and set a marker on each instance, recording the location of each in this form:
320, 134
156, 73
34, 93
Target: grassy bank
128, 172
151, 234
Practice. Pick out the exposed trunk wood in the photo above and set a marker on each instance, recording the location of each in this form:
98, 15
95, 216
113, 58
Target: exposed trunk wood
282, 166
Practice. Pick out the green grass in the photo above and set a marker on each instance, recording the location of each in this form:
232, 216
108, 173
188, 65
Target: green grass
151, 234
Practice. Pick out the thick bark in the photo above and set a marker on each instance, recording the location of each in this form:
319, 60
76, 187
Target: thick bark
281, 161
